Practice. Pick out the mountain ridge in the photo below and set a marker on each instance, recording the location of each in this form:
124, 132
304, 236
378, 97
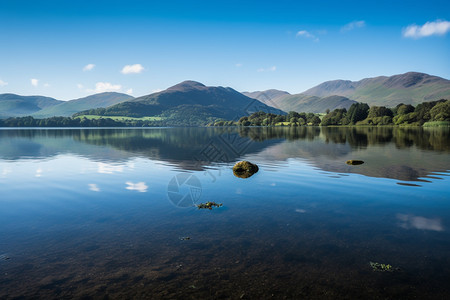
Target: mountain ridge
407, 88
190, 101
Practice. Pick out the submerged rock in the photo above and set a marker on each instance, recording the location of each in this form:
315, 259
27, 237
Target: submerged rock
354, 162
208, 205
244, 169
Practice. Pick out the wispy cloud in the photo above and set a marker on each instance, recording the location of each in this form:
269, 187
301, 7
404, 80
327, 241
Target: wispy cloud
101, 87
129, 91
140, 186
353, 25
418, 222
2, 83
132, 69
88, 67
308, 35
47, 85
38, 172
238, 65
271, 69
438, 27
80, 86
93, 187
34, 82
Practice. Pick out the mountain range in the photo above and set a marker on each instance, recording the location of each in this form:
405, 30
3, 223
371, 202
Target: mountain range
193, 100
12, 105
409, 88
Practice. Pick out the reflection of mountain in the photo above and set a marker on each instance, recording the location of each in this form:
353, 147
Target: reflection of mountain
400, 153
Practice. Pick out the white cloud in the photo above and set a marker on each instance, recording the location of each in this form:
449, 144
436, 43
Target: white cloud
34, 82
306, 34
2, 83
437, 27
88, 67
140, 186
299, 210
129, 91
80, 86
101, 87
132, 69
108, 169
353, 25
418, 222
93, 187
271, 69
238, 65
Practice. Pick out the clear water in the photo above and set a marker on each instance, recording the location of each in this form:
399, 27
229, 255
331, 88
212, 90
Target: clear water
110, 213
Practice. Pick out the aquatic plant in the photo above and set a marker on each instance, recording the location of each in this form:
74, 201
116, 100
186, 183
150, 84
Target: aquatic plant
381, 267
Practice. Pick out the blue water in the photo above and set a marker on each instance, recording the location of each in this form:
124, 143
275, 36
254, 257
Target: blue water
96, 213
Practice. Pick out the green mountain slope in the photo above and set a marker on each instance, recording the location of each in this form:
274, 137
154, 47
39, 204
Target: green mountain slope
68, 108
306, 103
189, 102
409, 88
267, 96
12, 105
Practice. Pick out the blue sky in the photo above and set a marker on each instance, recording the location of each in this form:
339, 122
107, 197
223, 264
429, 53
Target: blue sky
68, 50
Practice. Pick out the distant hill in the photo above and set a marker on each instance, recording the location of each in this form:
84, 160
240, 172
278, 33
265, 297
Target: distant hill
12, 105
314, 104
189, 102
266, 96
300, 102
68, 108
409, 88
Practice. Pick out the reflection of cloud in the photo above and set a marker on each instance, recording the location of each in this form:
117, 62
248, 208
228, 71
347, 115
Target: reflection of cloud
93, 187
5, 172
108, 169
38, 172
417, 222
140, 186
301, 211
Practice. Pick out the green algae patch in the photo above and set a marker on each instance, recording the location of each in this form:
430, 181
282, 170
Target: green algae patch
244, 169
377, 267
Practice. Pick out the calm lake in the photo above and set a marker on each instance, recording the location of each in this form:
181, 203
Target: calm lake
110, 213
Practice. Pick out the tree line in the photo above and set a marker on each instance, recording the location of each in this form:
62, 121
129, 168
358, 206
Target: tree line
437, 112
434, 112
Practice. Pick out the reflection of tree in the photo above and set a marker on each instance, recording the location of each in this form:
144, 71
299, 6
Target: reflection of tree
285, 133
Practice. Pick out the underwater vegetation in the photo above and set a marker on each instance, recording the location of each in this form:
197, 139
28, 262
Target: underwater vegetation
377, 267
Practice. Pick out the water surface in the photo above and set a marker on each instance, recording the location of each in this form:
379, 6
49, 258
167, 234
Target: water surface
105, 213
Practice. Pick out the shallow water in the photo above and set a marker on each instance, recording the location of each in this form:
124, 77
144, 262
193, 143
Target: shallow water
105, 213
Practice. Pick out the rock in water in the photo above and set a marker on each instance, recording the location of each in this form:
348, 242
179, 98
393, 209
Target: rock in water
354, 162
244, 169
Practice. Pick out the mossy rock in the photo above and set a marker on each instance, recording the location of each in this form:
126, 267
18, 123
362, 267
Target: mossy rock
354, 162
244, 169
